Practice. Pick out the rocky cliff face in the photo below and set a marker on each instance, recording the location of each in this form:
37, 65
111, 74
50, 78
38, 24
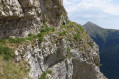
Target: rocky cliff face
20, 17
66, 52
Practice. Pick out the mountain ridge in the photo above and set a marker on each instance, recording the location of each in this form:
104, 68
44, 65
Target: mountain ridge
108, 42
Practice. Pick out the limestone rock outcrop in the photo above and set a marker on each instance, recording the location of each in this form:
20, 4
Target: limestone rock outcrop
65, 53
67, 57
21, 17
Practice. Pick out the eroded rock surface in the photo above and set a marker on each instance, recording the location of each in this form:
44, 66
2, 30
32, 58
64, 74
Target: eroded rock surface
20, 17
65, 56
65, 53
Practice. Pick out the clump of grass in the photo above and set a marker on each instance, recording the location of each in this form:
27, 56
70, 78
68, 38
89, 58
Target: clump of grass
6, 52
44, 74
40, 39
30, 35
2, 41
63, 33
68, 53
11, 70
99, 65
43, 32
47, 29
77, 36
16, 40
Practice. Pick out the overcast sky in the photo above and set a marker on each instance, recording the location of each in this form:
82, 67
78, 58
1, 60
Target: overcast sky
104, 13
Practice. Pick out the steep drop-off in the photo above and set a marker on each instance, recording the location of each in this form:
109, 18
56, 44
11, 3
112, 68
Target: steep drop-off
108, 41
49, 51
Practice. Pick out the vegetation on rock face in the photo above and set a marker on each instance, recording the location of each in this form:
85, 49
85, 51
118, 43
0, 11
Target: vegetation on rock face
70, 32
77, 36
6, 52
44, 75
9, 69
108, 41
68, 53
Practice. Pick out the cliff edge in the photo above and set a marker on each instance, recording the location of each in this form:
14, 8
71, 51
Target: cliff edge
47, 49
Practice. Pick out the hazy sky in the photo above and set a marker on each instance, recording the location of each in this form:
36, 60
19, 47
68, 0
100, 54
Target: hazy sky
104, 13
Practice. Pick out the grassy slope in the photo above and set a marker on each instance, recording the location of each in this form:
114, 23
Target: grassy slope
108, 41
11, 70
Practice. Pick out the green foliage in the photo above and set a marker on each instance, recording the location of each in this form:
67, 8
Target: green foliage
77, 36
43, 32
47, 29
68, 53
6, 52
108, 42
68, 50
2, 41
63, 33
30, 35
16, 40
40, 39
99, 65
44, 74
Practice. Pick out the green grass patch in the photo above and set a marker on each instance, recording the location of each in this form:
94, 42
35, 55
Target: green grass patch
77, 36
16, 40
2, 41
68, 53
6, 52
44, 74
11, 70
63, 33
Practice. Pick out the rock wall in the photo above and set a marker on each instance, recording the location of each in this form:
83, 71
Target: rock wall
64, 56
20, 17
67, 53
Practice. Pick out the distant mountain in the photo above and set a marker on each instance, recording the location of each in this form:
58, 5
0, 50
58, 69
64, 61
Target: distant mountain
108, 41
